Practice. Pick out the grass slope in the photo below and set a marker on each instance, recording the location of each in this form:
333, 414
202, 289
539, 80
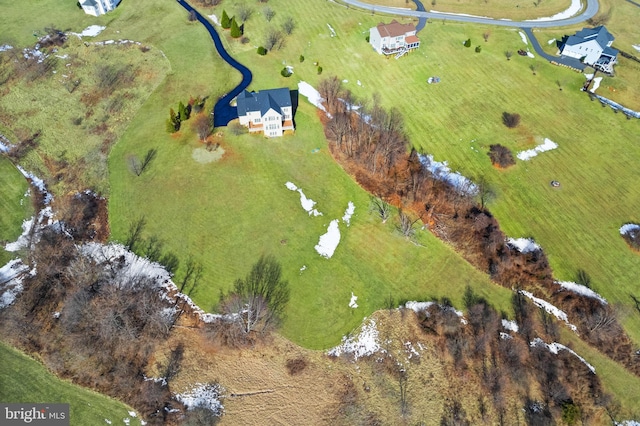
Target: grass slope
22, 379
14, 206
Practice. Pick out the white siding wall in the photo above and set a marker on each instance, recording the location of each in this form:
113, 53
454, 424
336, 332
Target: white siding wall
375, 40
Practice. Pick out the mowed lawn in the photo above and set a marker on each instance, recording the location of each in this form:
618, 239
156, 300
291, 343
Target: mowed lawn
23, 379
14, 206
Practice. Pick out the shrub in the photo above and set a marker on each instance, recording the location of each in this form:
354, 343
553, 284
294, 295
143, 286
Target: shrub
632, 236
319, 70
501, 156
295, 366
261, 51
367, 38
286, 72
467, 43
301, 58
478, 49
510, 119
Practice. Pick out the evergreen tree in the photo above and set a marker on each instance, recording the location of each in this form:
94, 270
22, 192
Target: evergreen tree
182, 112
225, 22
235, 28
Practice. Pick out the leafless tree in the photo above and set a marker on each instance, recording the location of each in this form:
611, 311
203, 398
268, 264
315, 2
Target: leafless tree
486, 35
202, 125
268, 13
192, 16
485, 191
288, 25
380, 208
273, 39
329, 89
533, 68
243, 12
406, 224
508, 54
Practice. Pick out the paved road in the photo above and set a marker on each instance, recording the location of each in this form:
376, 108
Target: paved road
590, 11
223, 113
422, 22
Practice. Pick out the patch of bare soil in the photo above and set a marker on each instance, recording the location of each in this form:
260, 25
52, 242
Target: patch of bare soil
205, 156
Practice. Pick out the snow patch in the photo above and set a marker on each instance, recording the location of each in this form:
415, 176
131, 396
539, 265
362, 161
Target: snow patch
441, 171
207, 396
635, 46
582, 290
307, 203
107, 421
505, 336
628, 422
596, 84
44, 219
11, 276
558, 313
312, 95
38, 183
418, 307
411, 351
348, 213
628, 228
547, 145
329, 241
5, 47
90, 31
531, 55
352, 303
214, 19
551, 41
555, 347
510, 325
333, 32
523, 36
523, 245
573, 9
363, 344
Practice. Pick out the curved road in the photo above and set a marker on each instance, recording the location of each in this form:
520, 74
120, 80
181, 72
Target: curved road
590, 11
223, 113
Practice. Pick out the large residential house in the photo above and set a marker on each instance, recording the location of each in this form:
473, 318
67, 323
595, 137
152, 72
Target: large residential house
593, 47
98, 7
394, 38
267, 111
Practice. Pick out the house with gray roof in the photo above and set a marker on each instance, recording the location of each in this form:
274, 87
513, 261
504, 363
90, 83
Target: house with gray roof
394, 38
267, 111
98, 7
593, 47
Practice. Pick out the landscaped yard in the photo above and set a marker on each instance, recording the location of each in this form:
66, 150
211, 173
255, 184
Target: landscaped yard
26, 380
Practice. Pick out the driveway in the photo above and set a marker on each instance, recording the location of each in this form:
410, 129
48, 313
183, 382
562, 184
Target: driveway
562, 60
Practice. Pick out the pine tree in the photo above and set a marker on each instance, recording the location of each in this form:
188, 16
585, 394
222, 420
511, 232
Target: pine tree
225, 22
182, 112
235, 28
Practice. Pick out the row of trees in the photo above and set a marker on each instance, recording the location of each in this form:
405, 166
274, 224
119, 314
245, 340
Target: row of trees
377, 153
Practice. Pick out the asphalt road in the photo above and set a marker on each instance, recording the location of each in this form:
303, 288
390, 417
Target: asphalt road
590, 11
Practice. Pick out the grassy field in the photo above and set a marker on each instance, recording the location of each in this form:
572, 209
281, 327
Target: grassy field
23, 379
14, 206
500, 9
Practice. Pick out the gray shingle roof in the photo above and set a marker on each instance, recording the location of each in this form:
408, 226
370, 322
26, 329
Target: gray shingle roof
599, 34
263, 100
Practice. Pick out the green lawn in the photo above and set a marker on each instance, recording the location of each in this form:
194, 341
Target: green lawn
14, 206
23, 379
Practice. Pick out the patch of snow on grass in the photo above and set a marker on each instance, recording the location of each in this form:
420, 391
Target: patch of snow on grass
411, 351
348, 213
628, 227
107, 421
90, 31
547, 145
551, 41
214, 19
44, 219
523, 245
329, 241
5, 47
352, 303
510, 325
581, 289
558, 313
505, 336
307, 203
555, 347
308, 91
628, 422
333, 32
418, 307
636, 46
126, 421
363, 344
133, 414
596, 84
588, 76
207, 396
38, 183
531, 55
523, 36
574, 8
441, 171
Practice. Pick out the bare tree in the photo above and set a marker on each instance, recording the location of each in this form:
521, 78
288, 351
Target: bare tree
485, 35
508, 54
257, 302
192, 16
533, 68
243, 12
273, 39
329, 89
405, 224
380, 207
268, 13
485, 191
202, 126
289, 25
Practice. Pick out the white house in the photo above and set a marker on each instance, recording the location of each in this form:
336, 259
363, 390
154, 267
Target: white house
98, 7
393, 38
268, 111
593, 47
